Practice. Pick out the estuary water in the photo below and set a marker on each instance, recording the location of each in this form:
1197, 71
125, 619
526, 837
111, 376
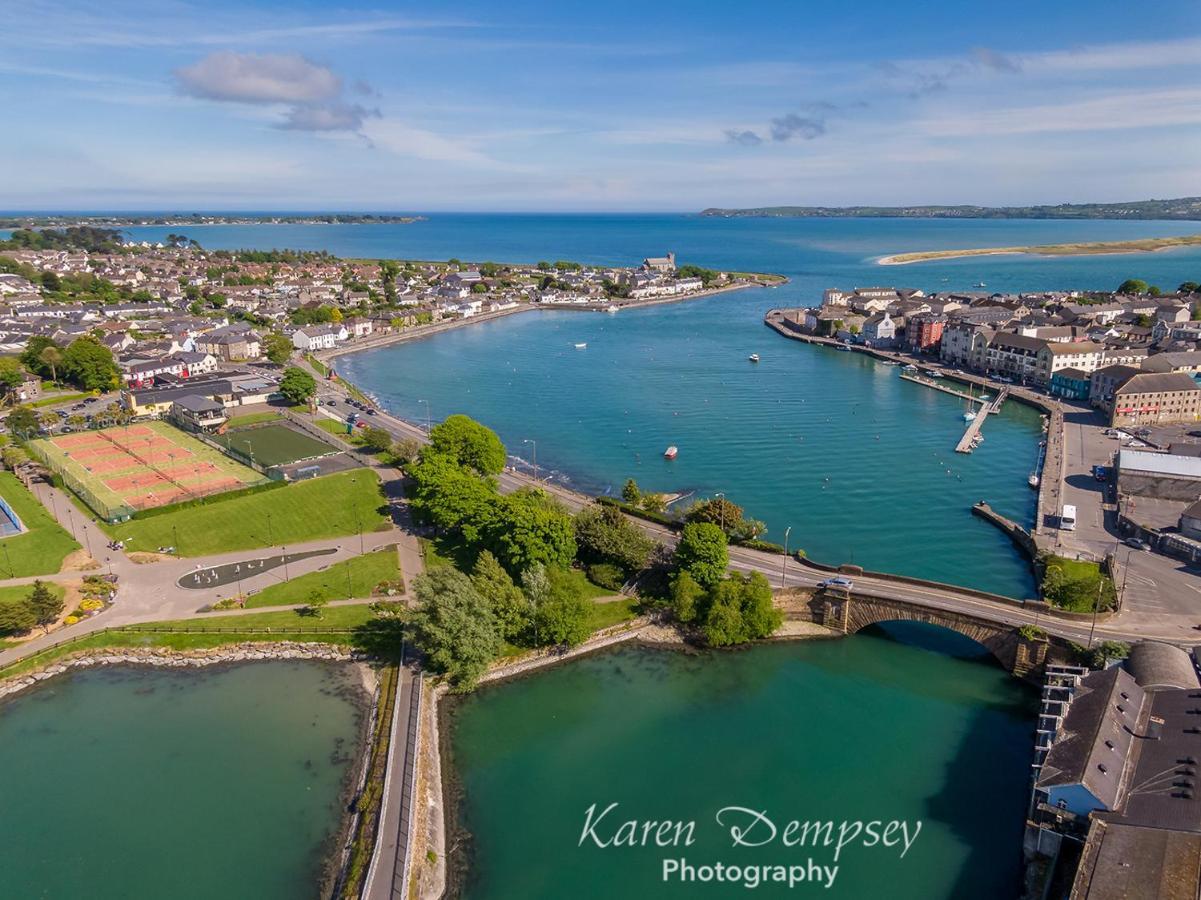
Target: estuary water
862, 728
859, 464
147, 783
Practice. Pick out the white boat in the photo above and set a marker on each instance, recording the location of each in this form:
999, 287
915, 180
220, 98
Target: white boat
611, 308
981, 284
969, 416
671, 452
754, 357
1033, 480
581, 346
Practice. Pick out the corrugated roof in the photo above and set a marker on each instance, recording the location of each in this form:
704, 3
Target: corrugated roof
1158, 463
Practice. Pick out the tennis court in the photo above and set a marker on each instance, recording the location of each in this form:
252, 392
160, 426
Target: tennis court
120, 470
273, 444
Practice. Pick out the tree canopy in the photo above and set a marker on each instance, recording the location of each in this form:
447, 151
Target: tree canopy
455, 626
297, 385
603, 534
469, 444
702, 553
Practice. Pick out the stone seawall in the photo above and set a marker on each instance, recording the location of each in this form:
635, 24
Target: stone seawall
178, 659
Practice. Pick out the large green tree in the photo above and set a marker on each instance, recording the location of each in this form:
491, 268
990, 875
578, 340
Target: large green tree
510, 606
455, 626
528, 527
702, 553
687, 597
17, 617
31, 356
23, 422
470, 444
717, 511
740, 610
90, 366
47, 605
297, 385
564, 616
12, 375
604, 534
450, 496
278, 348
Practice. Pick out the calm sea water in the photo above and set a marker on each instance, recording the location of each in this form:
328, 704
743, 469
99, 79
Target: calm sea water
148, 783
860, 463
859, 728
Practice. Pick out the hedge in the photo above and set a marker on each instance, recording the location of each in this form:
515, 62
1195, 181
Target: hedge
657, 518
205, 501
764, 546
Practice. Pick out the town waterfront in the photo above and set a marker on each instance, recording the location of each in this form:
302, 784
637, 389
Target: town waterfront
818, 730
145, 782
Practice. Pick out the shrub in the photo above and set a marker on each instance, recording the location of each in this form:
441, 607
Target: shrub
606, 575
91, 604
70, 620
764, 546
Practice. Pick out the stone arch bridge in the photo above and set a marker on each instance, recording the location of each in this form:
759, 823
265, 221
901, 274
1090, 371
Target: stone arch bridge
851, 613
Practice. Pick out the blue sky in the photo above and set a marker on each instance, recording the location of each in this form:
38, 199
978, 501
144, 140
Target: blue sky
614, 106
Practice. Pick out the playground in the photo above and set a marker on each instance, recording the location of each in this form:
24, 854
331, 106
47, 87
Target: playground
118, 471
272, 444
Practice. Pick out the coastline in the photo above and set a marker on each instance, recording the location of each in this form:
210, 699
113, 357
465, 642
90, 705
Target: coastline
422, 331
1093, 248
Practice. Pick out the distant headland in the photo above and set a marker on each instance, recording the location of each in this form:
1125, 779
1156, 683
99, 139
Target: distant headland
1186, 208
176, 220
1139, 245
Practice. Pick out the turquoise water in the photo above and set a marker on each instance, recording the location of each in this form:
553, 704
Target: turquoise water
859, 728
814, 253
859, 462
151, 783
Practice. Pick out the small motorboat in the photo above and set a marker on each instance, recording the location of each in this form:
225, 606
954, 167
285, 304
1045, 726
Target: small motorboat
581, 346
671, 452
969, 416
1033, 480
754, 357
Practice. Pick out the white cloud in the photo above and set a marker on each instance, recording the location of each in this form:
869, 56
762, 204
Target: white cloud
251, 78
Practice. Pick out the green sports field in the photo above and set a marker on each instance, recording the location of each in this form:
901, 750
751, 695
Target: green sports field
274, 444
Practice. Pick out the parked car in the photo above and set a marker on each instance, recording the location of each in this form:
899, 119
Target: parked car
331, 402
370, 411
837, 582
1137, 544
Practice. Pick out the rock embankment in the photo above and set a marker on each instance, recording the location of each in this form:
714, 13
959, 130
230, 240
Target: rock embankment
179, 659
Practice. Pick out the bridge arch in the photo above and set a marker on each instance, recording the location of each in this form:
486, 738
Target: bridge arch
851, 614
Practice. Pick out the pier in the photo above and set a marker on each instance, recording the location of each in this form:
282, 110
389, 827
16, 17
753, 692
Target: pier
931, 383
967, 443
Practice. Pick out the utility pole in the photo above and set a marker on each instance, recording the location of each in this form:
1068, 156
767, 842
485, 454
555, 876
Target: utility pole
1096, 608
535, 443
784, 564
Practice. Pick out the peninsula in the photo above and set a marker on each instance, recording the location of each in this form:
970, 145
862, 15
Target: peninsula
1183, 208
195, 218
1090, 248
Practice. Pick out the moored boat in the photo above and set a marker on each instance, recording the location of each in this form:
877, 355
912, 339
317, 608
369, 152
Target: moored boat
754, 357
671, 452
580, 346
1033, 480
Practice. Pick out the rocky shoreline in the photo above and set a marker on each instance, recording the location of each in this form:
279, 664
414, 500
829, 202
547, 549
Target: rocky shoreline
179, 659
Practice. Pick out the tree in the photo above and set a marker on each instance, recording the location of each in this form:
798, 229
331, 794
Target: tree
376, 439
740, 610
563, 616
469, 443
89, 365
1189, 287
528, 527
687, 597
278, 348
717, 511
702, 553
12, 376
31, 356
388, 270
455, 626
630, 493
47, 606
17, 617
52, 357
654, 503
1133, 286
449, 496
509, 604
405, 450
297, 385
23, 422
315, 604
604, 534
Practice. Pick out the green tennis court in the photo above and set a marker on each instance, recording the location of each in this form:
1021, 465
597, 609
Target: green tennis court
273, 444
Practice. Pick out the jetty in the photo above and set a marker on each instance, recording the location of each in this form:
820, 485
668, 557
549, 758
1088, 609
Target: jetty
971, 434
931, 383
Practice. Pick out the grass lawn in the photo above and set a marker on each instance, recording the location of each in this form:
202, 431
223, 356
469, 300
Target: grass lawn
60, 398
14, 592
606, 614
338, 429
41, 549
255, 418
285, 625
1084, 583
365, 572
304, 511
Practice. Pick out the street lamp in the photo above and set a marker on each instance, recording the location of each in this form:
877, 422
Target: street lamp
721, 511
429, 416
784, 564
535, 443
